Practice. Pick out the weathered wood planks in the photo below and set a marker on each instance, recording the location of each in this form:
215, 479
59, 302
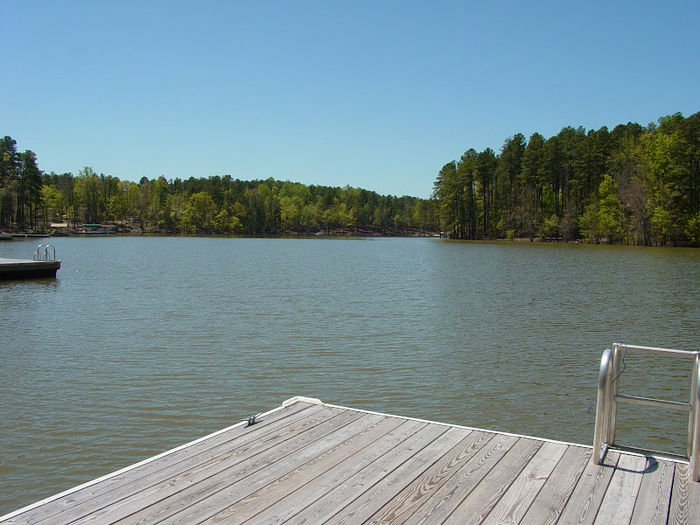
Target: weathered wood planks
313, 463
685, 499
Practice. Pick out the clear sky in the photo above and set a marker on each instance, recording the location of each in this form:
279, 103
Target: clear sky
372, 94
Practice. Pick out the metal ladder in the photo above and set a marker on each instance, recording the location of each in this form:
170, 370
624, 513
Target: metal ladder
609, 398
42, 253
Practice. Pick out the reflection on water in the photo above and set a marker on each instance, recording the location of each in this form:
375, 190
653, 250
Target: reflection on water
144, 343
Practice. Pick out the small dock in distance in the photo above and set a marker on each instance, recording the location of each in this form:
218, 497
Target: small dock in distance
27, 269
310, 462
44, 265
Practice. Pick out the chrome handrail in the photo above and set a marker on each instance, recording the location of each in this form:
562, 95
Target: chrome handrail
600, 436
40, 255
608, 399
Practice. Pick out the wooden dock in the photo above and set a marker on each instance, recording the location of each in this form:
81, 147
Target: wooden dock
309, 462
27, 268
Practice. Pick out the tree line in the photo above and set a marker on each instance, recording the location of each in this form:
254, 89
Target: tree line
31, 199
634, 184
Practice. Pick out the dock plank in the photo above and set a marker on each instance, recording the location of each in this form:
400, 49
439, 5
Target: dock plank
209, 497
259, 500
685, 499
619, 500
127, 482
480, 468
196, 484
327, 494
487, 455
551, 501
377, 491
307, 462
413, 496
236, 491
479, 503
654, 496
585, 501
516, 501
438, 505
138, 490
443, 502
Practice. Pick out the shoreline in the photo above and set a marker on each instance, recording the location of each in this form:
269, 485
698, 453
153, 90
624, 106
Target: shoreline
335, 233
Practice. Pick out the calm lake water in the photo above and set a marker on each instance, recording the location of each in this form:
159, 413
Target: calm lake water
144, 343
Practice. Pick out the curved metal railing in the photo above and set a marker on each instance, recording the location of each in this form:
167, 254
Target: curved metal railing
609, 398
42, 253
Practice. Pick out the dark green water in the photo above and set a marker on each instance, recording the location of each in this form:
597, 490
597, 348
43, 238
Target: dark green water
142, 344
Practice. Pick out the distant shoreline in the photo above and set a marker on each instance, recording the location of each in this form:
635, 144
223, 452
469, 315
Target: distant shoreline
336, 233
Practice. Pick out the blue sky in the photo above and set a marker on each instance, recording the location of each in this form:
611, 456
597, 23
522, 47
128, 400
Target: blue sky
378, 95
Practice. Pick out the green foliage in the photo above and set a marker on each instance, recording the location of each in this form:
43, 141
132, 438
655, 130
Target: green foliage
9, 165
692, 230
199, 213
611, 220
632, 184
550, 227
221, 205
661, 225
54, 203
28, 190
590, 227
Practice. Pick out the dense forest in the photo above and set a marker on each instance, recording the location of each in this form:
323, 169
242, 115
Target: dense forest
634, 185
31, 200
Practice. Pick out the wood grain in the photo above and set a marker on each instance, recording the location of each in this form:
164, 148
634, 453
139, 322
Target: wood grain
552, 499
619, 500
585, 501
517, 500
685, 499
413, 496
654, 495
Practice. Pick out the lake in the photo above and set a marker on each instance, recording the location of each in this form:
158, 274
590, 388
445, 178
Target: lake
144, 343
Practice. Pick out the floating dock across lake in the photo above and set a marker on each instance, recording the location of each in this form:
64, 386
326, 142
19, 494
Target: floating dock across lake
27, 268
43, 265
310, 462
